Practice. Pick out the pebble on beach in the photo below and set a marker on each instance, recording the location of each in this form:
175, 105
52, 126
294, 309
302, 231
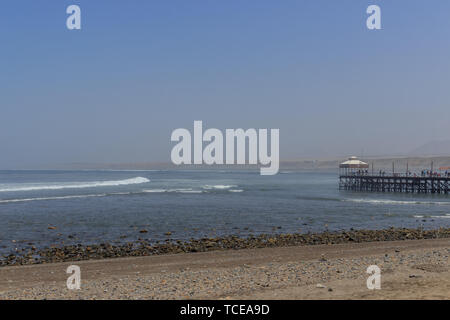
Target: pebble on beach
143, 247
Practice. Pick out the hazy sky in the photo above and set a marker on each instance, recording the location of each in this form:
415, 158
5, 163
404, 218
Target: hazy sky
115, 90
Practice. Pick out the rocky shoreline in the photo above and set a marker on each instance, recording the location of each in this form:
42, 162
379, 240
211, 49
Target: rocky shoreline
32, 255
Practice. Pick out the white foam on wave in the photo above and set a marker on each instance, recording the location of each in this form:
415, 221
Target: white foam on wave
172, 191
69, 185
190, 190
373, 201
53, 198
154, 190
219, 186
446, 216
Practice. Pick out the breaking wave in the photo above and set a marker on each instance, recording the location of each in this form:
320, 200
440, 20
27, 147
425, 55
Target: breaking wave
172, 191
53, 198
70, 185
219, 187
190, 190
446, 216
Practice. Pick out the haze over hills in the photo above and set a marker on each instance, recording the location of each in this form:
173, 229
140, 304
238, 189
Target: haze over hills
379, 163
436, 152
434, 148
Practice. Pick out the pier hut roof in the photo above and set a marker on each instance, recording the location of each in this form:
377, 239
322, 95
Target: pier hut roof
354, 162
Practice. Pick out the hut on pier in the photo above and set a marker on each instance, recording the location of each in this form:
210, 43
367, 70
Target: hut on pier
351, 166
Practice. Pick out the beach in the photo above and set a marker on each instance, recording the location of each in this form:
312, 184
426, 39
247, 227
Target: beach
216, 235
410, 269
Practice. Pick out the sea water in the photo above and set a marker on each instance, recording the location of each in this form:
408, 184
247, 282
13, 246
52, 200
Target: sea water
114, 206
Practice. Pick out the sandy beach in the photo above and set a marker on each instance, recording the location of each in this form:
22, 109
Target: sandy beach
410, 269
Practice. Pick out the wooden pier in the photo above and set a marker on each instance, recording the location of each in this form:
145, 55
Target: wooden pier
354, 176
394, 183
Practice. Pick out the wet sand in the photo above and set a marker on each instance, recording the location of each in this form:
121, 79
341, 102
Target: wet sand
410, 269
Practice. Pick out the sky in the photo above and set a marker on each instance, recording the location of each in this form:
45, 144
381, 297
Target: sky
114, 91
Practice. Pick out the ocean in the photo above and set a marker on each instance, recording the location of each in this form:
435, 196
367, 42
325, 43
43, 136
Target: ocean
44, 208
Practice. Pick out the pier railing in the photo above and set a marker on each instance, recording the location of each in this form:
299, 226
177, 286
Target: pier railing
406, 183
406, 175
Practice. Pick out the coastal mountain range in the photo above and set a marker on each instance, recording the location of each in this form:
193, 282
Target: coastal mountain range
432, 148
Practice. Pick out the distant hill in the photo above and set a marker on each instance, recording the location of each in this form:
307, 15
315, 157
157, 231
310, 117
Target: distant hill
432, 148
401, 163
413, 162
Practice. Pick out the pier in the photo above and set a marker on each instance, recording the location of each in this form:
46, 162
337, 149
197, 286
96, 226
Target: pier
354, 176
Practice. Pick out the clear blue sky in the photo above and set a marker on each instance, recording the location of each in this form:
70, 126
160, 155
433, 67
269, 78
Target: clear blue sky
115, 90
